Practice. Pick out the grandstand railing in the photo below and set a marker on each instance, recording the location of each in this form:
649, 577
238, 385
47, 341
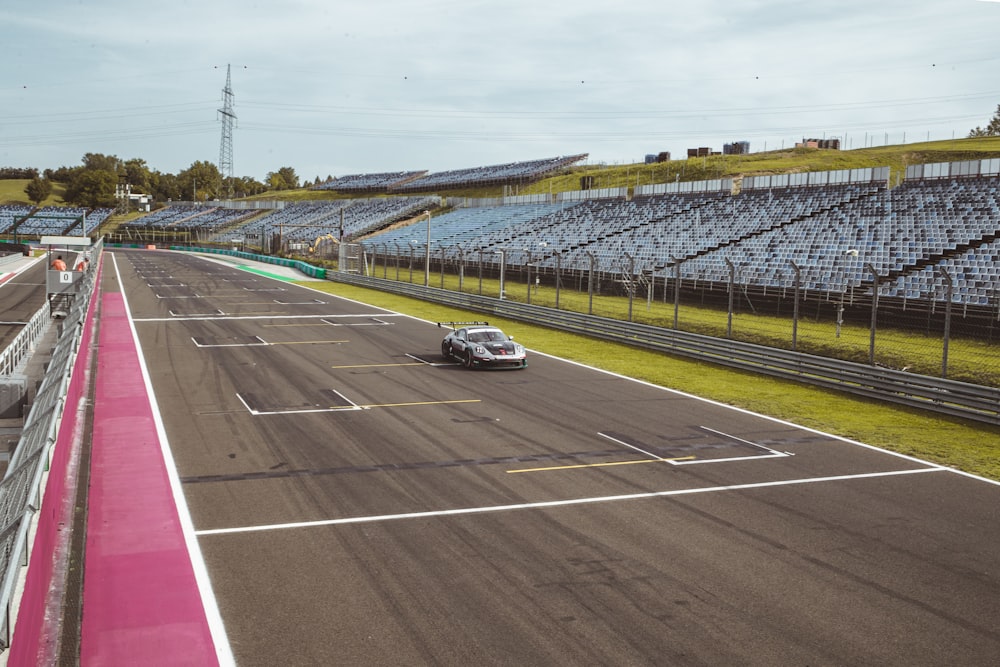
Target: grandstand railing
15, 354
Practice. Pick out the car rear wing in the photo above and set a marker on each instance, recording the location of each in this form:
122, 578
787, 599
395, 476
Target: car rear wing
453, 325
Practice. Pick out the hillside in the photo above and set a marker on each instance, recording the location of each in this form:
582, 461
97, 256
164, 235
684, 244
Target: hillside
12, 192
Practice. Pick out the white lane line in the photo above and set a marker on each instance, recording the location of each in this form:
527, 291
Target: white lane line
632, 447
553, 503
773, 452
245, 404
174, 315
430, 363
262, 343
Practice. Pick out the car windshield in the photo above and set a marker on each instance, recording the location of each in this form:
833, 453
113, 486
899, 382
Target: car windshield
487, 336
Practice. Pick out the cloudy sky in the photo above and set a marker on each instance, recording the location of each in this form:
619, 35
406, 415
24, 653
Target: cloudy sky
336, 87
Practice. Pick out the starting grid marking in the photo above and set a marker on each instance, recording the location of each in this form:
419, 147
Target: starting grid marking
348, 405
257, 341
674, 461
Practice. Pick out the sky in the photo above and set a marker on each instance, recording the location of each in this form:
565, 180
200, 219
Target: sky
335, 88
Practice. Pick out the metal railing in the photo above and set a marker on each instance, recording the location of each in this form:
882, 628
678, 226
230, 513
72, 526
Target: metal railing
21, 488
15, 354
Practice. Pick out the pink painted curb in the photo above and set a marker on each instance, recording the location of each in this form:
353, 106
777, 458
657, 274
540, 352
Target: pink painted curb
141, 603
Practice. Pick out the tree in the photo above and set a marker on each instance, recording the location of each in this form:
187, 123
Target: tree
283, 179
38, 189
244, 186
97, 161
200, 181
164, 187
92, 187
137, 174
992, 129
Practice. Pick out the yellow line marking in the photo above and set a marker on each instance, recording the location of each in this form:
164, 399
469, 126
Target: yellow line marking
601, 465
379, 365
404, 405
308, 342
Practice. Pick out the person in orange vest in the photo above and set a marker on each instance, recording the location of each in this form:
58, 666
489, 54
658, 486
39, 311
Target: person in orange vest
81, 265
58, 264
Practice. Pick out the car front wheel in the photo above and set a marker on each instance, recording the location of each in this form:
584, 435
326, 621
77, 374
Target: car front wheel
467, 359
446, 350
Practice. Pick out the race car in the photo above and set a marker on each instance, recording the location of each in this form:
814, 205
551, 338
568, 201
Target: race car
478, 345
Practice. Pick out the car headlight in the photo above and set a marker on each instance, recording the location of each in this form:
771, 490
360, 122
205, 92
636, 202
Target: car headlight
518, 349
479, 349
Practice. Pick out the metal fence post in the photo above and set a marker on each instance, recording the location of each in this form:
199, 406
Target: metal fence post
558, 276
529, 275
948, 291
871, 336
631, 283
590, 283
795, 306
677, 289
732, 287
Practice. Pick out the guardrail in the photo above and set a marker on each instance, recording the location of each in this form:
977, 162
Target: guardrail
958, 399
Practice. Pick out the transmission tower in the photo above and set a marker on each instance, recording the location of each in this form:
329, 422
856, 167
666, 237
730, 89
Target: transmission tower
228, 118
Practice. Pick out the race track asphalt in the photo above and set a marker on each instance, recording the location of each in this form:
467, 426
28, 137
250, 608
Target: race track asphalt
360, 501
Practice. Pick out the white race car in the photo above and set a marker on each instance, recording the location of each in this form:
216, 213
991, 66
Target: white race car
478, 345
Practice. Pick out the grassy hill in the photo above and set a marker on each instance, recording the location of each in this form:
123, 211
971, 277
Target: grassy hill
12, 192
792, 160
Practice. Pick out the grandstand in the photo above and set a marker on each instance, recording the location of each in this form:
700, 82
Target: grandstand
370, 183
350, 218
54, 220
190, 217
827, 231
513, 173
10, 216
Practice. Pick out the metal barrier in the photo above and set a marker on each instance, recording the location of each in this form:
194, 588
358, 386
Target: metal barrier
21, 488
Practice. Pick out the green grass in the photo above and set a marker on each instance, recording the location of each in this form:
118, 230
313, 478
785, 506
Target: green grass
12, 192
964, 445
